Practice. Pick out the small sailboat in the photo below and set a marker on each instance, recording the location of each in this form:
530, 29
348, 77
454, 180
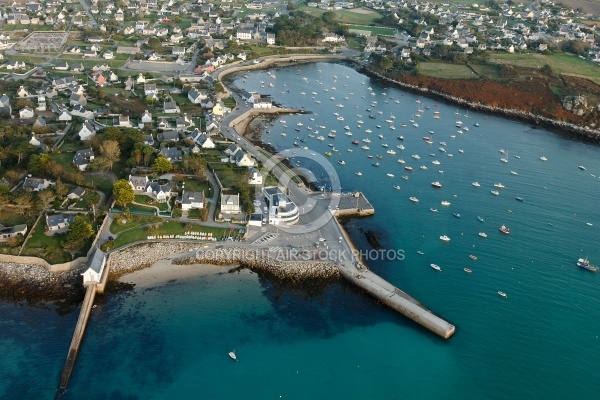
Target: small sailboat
436, 267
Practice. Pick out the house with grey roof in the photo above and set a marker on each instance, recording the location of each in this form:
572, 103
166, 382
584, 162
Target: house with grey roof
191, 200
195, 96
36, 184
87, 130
159, 192
6, 232
83, 158
57, 221
172, 154
76, 193
94, 267
168, 136
230, 204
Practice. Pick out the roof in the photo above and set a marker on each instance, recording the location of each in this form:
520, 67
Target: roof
95, 261
82, 157
138, 180
192, 197
230, 199
78, 191
54, 220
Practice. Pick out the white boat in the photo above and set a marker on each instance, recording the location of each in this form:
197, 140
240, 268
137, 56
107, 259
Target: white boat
543, 158
476, 184
423, 167
401, 147
390, 151
366, 140
413, 199
358, 173
435, 162
499, 185
495, 192
445, 203
513, 173
467, 270
483, 234
416, 157
581, 167
502, 294
461, 151
232, 355
365, 147
390, 175
397, 187
444, 238
342, 162
401, 161
436, 267
433, 209
436, 184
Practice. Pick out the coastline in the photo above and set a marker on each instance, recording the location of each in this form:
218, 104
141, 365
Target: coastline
563, 127
164, 271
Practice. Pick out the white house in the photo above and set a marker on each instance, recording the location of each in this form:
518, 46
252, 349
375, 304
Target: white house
146, 117
26, 113
281, 209
65, 116
191, 200
83, 158
230, 204
56, 222
94, 267
255, 177
196, 96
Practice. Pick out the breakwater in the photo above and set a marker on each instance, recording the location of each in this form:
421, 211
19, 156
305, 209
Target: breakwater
258, 261
582, 131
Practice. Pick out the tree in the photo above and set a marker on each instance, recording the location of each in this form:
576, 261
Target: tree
162, 165
155, 44
23, 201
37, 164
111, 150
79, 232
45, 197
21, 151
60, 189
123, 192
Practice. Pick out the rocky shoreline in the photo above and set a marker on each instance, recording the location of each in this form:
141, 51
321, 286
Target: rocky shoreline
34, 283
290, 271
134, 258
539, 120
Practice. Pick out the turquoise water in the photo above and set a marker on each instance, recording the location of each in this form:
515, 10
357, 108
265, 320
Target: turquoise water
540, 342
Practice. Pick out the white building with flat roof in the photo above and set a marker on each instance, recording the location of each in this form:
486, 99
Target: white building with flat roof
280, 208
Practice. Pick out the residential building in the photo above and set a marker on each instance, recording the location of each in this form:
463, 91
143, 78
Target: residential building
76, 193
6, 232
83, 158
191, 200
172, 154
56, 222
36, 184
281, 209
92, 274
230, 204
255, 176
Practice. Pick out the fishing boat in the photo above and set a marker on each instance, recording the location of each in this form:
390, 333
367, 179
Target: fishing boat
358, 173
476, 184
483, 234
445, 203
457, 215
408, 168
436, 267
413, 199
502, 294
480, 219
444, 238
467, 270
585, 264
355, 142
436, 184
472, 257
504, 229
232, 355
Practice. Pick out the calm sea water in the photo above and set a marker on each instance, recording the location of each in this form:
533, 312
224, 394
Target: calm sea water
540, 342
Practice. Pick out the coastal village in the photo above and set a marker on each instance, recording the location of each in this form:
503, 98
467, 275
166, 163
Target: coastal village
118, 127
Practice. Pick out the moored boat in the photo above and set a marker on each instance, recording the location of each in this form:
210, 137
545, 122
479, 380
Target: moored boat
467, 270
502, 294
436, 267
585, 264
444, 238
504, 229
483, 234
436, 184
413, 199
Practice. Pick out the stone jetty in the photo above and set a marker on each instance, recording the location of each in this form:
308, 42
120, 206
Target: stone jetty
260, 261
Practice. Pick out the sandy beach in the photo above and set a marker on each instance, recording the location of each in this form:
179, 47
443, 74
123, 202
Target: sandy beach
163, 271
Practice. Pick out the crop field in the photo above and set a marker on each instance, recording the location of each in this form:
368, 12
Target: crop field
358, 16
560, 63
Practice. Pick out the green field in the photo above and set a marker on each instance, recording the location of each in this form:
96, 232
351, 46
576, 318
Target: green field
360, 16
560, 63
375, 30
446, 70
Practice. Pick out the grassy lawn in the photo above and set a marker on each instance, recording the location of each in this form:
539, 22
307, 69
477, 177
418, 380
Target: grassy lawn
489, 70
198, 214
375, 30
365, 17
167, 228
228, 175
47, 247
150, 202
65, 160
133, 221
560, 63
195, 185
229, 102
27, 59
446, 70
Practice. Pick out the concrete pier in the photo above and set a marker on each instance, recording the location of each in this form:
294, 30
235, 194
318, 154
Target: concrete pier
358, 274
86, 309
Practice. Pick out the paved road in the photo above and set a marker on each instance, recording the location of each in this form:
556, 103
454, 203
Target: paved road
86, 8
